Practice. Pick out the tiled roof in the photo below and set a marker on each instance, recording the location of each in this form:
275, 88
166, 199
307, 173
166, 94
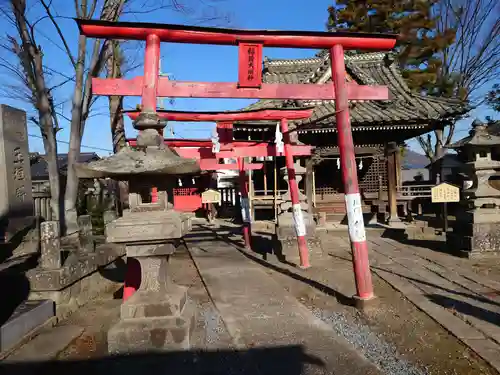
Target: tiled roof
39, 165
404, 106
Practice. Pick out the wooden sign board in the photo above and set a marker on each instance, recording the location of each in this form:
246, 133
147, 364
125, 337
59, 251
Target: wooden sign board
445, 193
211, 196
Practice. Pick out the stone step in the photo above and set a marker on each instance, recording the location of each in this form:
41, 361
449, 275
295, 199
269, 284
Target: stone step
47, 345
25, 319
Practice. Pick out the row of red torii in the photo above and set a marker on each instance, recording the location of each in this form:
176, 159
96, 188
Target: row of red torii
250, 45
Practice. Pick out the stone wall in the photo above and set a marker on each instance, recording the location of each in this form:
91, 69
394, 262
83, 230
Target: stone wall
81, 278
89, 287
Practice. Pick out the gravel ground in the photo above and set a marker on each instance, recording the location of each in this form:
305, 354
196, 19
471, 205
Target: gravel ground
396, 336
371, 345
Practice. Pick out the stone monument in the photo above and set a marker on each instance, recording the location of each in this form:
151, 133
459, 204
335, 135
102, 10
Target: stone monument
159, 315
16, 200
476, 231
286, 236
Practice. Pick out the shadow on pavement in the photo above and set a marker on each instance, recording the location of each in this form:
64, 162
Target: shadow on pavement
398, 235
286, 360
239, 245
465, 308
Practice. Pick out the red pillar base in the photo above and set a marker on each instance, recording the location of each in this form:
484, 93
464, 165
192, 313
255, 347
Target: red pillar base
247, 235
365, 303
132, 278
303, 253
362, 272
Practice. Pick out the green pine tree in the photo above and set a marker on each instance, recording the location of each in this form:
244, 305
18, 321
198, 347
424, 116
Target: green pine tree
420, 42
493, 98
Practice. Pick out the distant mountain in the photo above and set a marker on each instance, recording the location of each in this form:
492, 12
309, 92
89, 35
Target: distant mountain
414, 160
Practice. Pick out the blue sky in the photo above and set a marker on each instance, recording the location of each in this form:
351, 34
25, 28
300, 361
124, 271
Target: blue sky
185, 62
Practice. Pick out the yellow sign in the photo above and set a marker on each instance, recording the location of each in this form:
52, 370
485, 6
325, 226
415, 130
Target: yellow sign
445, 193
211, 196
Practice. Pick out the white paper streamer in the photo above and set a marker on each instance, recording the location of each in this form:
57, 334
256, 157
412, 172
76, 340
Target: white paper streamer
355, 217
280, 146
245, 210
215, 143
298, 218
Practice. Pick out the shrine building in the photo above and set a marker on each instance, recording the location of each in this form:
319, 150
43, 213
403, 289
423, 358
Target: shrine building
378, 127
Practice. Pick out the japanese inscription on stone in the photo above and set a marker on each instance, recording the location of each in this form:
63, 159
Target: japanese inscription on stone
15, 194
445, 193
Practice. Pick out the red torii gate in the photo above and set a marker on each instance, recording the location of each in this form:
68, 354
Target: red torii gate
230, 149
249, 85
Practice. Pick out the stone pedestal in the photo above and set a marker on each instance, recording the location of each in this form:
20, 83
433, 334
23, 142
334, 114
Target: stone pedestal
286, 236
50, 245
159, 316
476, 233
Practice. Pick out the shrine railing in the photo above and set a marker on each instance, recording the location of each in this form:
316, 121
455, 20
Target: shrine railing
269, 194
328, 194
414, 191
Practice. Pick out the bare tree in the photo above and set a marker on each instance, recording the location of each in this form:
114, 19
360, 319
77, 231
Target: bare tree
27, 46
471, 62
39, 81
82, 96
30, 71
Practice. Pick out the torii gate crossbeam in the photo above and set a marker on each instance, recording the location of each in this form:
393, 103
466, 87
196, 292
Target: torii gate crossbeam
224, 127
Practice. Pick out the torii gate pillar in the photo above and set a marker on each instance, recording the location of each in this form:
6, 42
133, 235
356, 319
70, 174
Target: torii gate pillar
357, 233
245, 204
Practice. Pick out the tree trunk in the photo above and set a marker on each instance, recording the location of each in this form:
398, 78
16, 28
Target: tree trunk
114, 70
50, 146
117, 123
81, 106
32, 63
71, 193
438, 146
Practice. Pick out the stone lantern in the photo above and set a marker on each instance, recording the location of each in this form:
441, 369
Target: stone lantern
159, 315
476, 232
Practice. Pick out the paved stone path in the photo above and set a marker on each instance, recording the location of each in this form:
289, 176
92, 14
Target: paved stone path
446, 288
259, 313
264, 328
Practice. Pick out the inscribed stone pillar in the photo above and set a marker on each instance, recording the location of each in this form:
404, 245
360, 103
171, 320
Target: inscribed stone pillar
50, 257
85, 234
16, 200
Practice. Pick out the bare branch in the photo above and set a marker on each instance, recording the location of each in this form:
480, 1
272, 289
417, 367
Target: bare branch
59, 32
